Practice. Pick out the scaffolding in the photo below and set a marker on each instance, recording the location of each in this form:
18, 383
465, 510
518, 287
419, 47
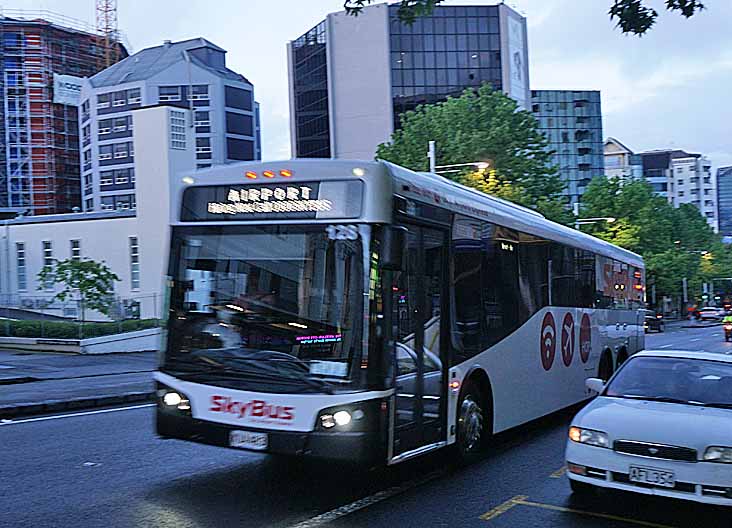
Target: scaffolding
40, 160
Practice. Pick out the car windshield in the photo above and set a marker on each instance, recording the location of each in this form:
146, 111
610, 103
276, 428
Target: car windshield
276, 305
694, 381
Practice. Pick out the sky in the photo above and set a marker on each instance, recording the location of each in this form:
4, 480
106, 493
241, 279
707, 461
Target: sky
669, 89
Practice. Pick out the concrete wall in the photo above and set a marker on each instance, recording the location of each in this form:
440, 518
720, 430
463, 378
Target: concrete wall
359, 82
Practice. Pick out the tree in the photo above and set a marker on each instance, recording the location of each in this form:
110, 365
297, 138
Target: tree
676, 243
631, 16
482, 125
89, 281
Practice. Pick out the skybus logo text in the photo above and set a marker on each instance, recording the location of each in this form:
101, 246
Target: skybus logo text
252, 409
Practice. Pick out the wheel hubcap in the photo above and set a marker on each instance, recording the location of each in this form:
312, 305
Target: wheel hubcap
471, 424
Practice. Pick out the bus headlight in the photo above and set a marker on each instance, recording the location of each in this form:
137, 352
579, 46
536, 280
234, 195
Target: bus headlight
172, 400
356, 417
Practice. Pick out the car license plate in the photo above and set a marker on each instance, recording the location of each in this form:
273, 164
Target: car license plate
655, 477
248, 440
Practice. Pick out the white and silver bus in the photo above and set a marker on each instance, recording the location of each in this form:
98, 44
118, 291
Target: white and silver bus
361, 311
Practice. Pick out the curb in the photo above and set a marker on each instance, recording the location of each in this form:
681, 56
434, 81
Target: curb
54, 406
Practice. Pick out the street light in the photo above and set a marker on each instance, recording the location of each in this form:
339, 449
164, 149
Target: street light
585, 221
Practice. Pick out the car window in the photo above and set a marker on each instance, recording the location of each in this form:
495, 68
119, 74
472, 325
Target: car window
405, 362
693, 380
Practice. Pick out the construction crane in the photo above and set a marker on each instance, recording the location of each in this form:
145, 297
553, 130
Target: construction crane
107, 28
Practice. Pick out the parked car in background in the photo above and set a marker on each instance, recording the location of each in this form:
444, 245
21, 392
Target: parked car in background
711, 314
652, 321
660, 426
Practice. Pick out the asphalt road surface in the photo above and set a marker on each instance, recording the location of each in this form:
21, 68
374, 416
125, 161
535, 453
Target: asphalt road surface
107, 469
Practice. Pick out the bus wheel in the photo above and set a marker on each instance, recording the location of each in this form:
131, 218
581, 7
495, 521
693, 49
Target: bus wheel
472, 424
605, 370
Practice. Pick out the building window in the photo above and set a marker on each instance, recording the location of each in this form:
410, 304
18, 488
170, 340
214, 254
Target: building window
121, 178
680, 183
239, 124
238, 98
679, 170
105, 152
89, 204
178, 130
681, 193
169, 93
105, 127
239, 149
87, 157
201, 118
86, 134
133, 96
120, 150
48, 261
203, 146
20, 264
120, 124
134, 264
120, 98
708, 203
75, 250
199, 92
132, 175
85, 110
104, 101
107, 203
106, 178
710, 214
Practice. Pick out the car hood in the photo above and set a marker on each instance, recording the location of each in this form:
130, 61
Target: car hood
658, 422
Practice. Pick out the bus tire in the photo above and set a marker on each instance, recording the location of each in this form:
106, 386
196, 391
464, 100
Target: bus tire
473, 418
605, 369
622, 357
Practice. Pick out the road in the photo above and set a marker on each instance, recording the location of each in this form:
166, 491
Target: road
107, 469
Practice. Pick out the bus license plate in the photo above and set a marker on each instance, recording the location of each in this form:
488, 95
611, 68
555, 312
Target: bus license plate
655, 477
248, 440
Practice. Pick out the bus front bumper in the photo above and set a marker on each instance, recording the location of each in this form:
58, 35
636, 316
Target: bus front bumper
356, 447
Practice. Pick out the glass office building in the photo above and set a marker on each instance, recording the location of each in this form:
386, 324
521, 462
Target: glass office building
572, 122
351, 78
724, 200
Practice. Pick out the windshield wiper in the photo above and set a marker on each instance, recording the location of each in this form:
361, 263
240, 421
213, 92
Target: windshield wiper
665, 399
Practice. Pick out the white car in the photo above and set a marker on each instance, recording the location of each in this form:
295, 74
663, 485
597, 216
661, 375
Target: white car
662, 425
713, 314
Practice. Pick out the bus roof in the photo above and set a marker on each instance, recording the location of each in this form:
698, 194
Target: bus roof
427, 188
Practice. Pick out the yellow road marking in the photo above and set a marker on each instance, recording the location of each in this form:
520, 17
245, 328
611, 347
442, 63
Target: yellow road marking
559, 473
503, 508
524, 502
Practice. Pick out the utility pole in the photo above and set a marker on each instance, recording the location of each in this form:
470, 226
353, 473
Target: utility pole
431, 156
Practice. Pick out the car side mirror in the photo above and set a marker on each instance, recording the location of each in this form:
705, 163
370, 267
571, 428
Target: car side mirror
595, 384
392, 248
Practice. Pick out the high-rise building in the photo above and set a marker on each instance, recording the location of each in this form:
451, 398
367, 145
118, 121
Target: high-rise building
682, 178
572, 122
42, 60
191, 74
724, 200
621, 162
350, 78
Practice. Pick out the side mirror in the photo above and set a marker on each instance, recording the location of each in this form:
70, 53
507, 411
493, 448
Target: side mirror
392, 248
595, 384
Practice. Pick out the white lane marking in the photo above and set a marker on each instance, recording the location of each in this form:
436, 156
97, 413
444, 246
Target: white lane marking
360, 504
72, 415
665, 346
697, 339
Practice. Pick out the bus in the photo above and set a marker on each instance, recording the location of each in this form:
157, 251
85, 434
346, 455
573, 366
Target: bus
363, 312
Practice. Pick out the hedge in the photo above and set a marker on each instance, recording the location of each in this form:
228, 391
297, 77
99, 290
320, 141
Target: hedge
70, 330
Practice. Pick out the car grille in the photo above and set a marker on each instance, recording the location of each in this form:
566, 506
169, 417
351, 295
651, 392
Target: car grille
665, 452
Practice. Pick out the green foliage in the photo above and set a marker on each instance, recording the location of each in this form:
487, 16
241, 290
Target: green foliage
632, 16
70, 330
91, 282
676, 243
483, 125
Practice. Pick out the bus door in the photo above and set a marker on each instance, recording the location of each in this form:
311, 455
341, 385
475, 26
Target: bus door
419, 318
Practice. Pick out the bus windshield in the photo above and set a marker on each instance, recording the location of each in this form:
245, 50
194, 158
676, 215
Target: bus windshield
276, 308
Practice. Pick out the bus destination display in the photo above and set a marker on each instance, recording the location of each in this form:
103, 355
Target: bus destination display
330, 199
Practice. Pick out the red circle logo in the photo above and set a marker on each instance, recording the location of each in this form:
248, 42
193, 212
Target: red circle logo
568, 339
548, 343
585, 338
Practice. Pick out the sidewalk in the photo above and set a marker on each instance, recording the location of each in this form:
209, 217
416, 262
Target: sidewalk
33, 383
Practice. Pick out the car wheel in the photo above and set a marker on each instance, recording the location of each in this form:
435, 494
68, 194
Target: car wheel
472, 424
582, 488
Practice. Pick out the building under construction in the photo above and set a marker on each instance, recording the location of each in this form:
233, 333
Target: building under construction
39, 131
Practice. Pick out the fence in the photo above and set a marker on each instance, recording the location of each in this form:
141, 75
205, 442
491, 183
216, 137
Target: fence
43, 317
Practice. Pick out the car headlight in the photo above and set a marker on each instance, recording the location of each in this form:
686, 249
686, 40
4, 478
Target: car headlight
722, 455
588, 437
